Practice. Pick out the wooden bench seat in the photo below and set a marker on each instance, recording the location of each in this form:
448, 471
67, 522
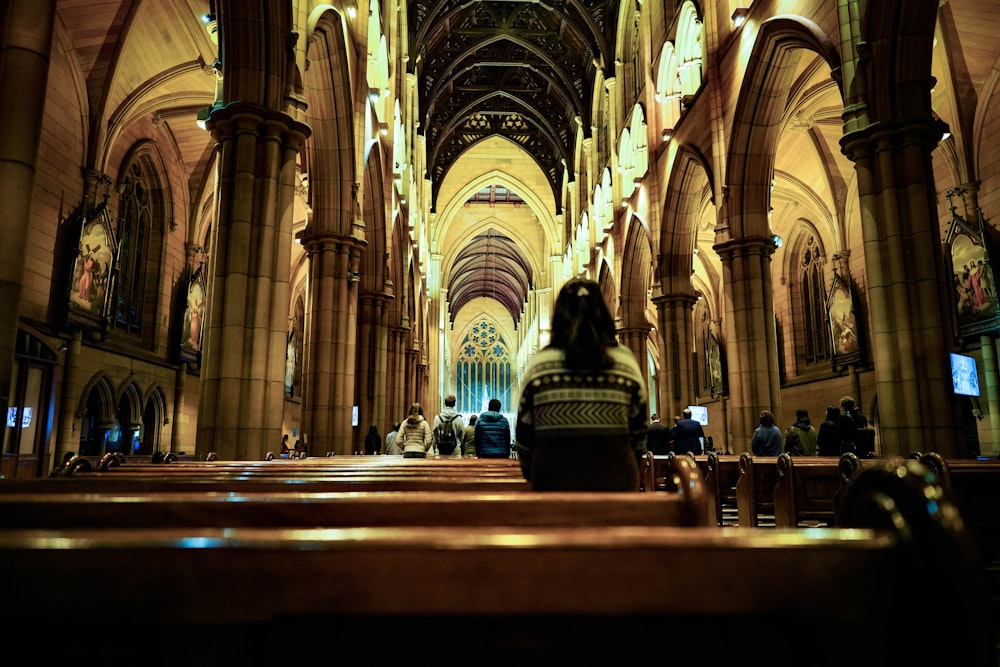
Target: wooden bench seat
205, 483
975, 484
806, 490
719, 472
755, 490
136, 510
513, 595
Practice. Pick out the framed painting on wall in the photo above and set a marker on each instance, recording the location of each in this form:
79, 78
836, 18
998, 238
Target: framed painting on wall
845, 335
91, 271
194, 317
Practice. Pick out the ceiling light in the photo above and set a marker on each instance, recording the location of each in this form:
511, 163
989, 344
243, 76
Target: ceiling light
739, 16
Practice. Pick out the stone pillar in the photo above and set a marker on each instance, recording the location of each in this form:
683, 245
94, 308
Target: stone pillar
411, 380
991, 370
637, 340
396, 373
908, 320
372, 378
328, 383
677, 377
750, 336
68, 433
242, 376
180, 380
25, 48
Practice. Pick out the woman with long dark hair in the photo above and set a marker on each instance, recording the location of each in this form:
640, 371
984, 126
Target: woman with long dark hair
582, 419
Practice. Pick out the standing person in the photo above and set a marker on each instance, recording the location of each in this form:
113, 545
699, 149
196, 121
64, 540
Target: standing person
855, 436
581, 423
391, 448
373, 441
492, 435
469, 438
800, 438
449, 430
416, 434
689, 437
766, 440
828, 439
658, 436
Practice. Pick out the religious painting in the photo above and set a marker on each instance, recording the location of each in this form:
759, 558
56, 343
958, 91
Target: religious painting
91, 271
844, 333
194, 317
291, 356
714, 374
975, 295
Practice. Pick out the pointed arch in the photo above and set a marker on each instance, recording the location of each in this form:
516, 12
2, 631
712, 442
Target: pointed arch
690, 178
758, 118
331, 148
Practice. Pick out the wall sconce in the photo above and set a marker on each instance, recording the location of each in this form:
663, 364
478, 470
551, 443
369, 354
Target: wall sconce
352, 9
777, 240
739, 16
374, 94
383, 129
666, 134
203, 115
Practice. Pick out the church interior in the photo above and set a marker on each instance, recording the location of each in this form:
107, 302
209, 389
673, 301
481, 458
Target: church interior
238, 220
241, 220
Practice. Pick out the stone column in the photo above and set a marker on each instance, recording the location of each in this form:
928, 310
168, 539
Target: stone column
242, 377
908, 320
25, 48
678, 379
372, 378
180, 380
328, 382
396, 373
68, 433
637, 340
750, 336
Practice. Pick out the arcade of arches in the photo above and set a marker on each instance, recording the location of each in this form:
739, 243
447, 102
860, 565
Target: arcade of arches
234, 219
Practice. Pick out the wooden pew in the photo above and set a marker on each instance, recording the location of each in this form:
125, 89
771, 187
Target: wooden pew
510, 595
755, 490
313, 475
975, 483
137, 510
806, 490
719, 472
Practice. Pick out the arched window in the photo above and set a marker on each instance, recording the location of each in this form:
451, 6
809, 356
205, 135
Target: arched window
134, 226
809, 297
483, 369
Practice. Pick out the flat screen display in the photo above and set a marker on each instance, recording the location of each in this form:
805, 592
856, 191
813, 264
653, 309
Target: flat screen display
12, 418
699, 413
964, 378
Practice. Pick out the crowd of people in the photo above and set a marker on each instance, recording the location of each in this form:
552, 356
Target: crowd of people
844, 430
581, 422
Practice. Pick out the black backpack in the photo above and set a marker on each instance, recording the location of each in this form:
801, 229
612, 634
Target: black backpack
446, 439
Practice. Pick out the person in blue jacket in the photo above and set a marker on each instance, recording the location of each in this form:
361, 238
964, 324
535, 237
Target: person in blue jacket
492, 438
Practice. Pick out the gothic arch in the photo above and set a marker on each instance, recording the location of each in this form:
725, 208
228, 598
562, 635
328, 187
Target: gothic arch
690, 177
758, 116
331, 148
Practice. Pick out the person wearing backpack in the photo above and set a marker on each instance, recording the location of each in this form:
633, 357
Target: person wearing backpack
449, 430
800, 438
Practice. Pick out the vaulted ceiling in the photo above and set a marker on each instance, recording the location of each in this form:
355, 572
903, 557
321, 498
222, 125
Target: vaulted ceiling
520, 69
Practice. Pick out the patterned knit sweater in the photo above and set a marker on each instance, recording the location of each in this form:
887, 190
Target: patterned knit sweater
582, 431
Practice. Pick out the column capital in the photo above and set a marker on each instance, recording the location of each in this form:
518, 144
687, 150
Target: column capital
227, 121
746, 245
